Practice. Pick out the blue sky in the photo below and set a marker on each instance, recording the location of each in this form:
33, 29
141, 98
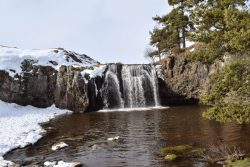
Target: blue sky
106, 30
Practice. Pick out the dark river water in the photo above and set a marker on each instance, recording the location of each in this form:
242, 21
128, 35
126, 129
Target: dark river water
141, 133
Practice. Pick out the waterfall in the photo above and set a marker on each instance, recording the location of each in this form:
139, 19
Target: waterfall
130, 86
111, 94
155, 86
96, 90
132, 77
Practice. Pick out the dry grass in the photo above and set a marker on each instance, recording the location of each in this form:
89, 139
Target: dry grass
222, 153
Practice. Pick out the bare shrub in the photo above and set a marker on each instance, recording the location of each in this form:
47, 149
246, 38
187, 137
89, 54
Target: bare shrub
220, 153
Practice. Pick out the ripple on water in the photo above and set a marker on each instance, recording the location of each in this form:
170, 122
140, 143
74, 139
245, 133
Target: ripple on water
141, 133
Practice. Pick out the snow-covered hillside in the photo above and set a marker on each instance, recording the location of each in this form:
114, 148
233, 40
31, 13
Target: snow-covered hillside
11, 58
21, 126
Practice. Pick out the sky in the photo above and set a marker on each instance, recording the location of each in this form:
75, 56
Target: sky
106, 30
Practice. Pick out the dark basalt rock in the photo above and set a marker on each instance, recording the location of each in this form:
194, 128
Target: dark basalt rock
184, 80
44, 86
169, 97
39, 86
71, 91
25, 90
94, 94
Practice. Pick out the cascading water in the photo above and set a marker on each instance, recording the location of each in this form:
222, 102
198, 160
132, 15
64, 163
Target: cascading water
155, 86
111, 91
132, 77
130, 86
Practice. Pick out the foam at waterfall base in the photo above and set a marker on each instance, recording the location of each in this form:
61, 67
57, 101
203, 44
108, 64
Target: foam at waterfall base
134, 109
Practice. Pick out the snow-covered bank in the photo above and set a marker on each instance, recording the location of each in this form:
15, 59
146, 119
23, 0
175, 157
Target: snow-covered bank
61, 164
20, 125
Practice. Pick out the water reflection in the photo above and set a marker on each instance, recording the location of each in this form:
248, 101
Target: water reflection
141, 133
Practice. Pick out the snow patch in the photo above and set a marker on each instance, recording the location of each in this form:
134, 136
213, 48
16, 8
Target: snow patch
12, 58
94, 71
4, 163
61, 164
21, 125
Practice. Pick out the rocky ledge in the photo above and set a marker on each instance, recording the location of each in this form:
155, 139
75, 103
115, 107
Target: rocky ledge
183, 80
44, 77
73, 81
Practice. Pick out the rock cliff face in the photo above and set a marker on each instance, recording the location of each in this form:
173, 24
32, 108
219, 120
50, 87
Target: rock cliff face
184, 80
34, 88
43, 78
45, 86
71, 90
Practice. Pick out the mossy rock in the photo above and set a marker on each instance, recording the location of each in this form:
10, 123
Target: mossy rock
196, 151
240, 163
181, 151
170, 157
178, 148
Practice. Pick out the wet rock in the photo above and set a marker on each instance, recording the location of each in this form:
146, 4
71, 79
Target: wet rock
95, 147
58, 146
181, 151
77, 138
94, 93
71, 91
239, 163
15, 165
170, 157
113, 138
77, 164
35, 87
50, 129
101, 144
184, 80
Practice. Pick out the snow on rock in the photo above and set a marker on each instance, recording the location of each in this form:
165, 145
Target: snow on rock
61, 164
94, 71
159, 71
58, 146
4, 163
113, 138
49, 164
11, 58
21, 125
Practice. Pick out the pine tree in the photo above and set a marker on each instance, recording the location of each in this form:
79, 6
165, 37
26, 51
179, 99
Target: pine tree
221, 26
170, 35
182, 19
